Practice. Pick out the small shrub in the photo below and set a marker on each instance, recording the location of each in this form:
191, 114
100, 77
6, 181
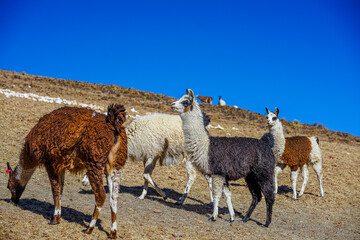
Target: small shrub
251, 117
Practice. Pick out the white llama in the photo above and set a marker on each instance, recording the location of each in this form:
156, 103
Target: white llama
221, 102
158, 137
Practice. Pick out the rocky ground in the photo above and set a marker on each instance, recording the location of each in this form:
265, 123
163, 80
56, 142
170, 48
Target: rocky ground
336, 216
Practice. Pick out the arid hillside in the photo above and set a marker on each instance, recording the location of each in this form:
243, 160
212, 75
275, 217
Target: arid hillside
25, 98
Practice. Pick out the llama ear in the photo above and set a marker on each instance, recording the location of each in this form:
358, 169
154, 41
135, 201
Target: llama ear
267, 110
8, 166
190, 92
277, 112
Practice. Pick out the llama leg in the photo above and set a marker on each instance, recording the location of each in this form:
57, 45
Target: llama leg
100, 196
149, 167
56, 181
267, 189
145, 189
255, 191
317, 169
278, 169
191, 172
218, 185
293, 177
146, 182
227, 193
209, 180
113, 183
305, 176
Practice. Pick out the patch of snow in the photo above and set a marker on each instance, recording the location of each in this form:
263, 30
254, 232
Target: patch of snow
217, 127
8, 93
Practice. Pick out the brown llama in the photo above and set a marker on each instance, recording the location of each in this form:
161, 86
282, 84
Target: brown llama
205, 99
75, 139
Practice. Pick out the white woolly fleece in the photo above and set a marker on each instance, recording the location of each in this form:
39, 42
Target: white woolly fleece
148, 136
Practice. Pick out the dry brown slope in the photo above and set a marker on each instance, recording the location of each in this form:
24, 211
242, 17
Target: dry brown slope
336, 216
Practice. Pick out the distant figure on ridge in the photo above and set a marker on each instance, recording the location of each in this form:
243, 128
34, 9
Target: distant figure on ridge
221, 102
205, 99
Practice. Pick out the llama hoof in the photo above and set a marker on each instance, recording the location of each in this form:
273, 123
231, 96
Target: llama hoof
55, 220
293, 198
230, 220
211, 204
14, 200
112, 235
89, 230
165, 197
212, 219
179, 203
245, 219
265, 225
140, 198
299, 196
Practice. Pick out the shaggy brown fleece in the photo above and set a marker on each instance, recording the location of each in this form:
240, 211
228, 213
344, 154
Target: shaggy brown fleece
66, 135
297, 152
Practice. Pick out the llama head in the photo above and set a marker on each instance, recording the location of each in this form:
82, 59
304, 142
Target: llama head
272, 117
185, 103
14, 186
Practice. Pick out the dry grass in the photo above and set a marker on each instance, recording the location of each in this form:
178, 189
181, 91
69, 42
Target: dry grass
336, 216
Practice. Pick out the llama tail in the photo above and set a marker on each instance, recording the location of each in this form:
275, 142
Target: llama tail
116, 116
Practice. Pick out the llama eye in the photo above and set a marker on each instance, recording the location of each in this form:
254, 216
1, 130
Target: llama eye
185, 103
274, 118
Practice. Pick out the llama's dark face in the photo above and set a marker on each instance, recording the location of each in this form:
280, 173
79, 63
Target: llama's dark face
16, 189
184, 104
272, 118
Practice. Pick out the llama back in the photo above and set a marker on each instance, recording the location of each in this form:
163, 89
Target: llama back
56, 132
297, 151
156, 135
240, 156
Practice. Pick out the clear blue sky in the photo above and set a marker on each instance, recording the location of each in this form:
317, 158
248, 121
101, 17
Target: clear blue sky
300, 56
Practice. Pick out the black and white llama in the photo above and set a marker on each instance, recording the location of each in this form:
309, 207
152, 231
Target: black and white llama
227, 159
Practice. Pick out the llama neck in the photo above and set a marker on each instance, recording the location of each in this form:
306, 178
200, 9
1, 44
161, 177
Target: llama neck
196, 138
277, 133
